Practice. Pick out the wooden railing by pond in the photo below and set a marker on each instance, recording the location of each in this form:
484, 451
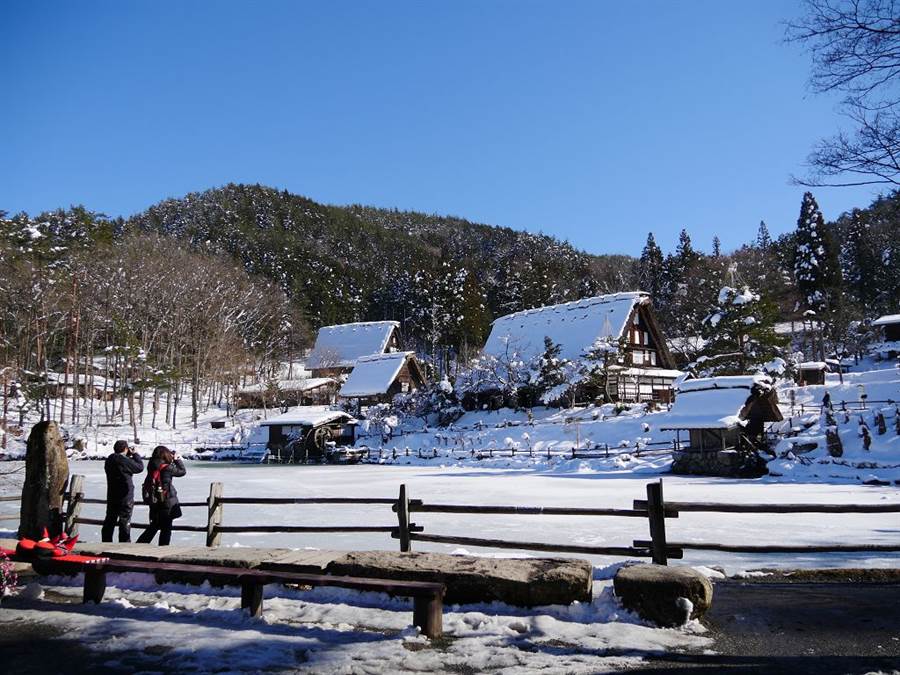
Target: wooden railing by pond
593, 451
654, 510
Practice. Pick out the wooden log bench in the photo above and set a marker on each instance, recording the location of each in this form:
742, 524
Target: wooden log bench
428, 597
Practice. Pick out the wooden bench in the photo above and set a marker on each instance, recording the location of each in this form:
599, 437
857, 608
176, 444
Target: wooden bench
428, 597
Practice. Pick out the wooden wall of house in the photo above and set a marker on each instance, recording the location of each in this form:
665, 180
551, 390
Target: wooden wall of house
641, 343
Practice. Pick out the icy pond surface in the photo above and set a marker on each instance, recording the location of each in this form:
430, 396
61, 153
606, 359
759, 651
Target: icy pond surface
529, 487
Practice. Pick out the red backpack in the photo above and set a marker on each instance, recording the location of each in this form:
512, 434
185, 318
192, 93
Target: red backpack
152, 491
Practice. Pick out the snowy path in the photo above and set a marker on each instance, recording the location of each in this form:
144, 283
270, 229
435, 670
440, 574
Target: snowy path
537, 488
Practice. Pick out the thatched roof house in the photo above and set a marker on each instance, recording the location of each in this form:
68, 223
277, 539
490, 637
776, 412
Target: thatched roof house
647, 371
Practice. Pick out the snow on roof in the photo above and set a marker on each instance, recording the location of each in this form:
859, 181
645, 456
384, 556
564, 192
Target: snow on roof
711, 402
291, 385
886, 320
574, 326
309, 415
342, 345
373, 375
724, 382
813, 365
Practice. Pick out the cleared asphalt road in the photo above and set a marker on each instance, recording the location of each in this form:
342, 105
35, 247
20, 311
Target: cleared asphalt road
817, 628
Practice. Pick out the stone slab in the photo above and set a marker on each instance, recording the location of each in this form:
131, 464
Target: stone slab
131, 551
304, 561
524, 582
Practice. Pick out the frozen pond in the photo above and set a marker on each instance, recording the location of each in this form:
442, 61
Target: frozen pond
526, 487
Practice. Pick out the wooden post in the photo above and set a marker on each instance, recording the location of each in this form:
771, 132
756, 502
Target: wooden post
428, 615
214, 517
73, 508
403, 519
657, 516
94, 584
252, 597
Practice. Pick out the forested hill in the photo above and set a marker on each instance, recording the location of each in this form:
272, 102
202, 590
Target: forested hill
444, 277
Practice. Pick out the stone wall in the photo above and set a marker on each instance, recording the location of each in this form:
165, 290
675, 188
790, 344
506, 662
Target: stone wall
731, 463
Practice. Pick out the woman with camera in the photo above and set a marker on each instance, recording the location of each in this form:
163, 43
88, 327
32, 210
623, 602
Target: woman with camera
159, 492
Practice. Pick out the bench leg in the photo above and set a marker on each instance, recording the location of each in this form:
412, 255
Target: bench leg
428, 615
94, 585
252, 597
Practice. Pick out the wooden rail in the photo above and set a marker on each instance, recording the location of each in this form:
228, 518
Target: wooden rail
711, 507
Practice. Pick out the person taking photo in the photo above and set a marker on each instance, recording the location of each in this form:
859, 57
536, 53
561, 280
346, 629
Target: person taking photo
120, 468
159, 493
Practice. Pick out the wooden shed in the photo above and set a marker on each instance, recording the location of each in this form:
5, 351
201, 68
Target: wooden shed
380, 377
811, 372
889, 324
724, 419
306, 434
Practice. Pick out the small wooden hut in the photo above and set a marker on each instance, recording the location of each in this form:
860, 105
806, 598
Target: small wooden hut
725, 419
889, 324
306, 434
380, 377
811, 372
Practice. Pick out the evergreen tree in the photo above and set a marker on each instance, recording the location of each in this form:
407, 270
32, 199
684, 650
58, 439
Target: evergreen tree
860, 261
550, 380
763, 239
651, 268
740, 334
605, 352
716, 247
815, 269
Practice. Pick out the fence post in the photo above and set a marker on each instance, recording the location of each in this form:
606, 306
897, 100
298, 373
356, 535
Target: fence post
403, 519
657, 516
73, 508
214, 517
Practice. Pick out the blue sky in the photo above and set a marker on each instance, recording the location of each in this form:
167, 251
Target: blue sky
593, 121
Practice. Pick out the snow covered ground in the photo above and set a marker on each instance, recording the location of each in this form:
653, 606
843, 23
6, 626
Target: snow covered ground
142, 626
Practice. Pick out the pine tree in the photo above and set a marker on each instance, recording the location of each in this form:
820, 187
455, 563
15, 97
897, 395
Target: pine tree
815, 271
763, 239
716, 247
550, 380
651, 268
859, 261
605, 352
740, 334
685, 250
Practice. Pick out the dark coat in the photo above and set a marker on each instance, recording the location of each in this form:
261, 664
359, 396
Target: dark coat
174, 470
119, 469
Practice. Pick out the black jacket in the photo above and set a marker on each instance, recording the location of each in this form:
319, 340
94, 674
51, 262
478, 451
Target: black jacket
119, 471
174, 470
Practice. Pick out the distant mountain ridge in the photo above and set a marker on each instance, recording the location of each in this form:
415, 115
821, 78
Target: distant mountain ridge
351, 263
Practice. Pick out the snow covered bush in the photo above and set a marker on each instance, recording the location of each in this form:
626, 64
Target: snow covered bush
434, 404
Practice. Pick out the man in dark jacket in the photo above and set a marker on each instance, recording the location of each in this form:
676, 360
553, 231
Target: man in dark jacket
120, 466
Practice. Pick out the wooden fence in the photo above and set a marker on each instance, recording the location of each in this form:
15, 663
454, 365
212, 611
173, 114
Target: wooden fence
654, 510
595, 451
